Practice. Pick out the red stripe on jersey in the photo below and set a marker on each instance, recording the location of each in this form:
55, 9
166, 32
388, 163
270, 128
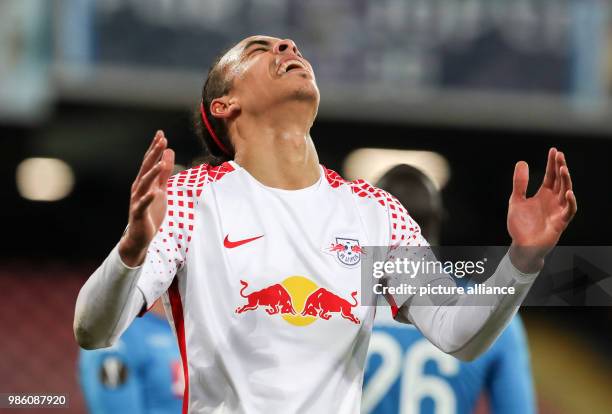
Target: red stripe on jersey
179, 325
394, 308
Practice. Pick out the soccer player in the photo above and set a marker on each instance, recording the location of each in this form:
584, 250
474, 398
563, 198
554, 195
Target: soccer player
257, 257
140, 374
407, 374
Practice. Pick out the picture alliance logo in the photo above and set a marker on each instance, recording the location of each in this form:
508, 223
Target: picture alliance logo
412, 268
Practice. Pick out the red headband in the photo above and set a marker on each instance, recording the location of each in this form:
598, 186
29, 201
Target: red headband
211, 131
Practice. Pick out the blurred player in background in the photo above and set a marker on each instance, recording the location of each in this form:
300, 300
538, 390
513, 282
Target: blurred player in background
140, 374
406, 374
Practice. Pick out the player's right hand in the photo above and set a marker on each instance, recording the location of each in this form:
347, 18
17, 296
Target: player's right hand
147, 201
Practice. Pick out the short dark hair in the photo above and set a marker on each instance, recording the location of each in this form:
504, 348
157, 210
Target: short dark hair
215, 86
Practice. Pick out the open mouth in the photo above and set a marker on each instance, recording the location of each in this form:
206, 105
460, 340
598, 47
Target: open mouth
290, 65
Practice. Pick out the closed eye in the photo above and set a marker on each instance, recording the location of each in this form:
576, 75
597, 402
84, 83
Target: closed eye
256, 50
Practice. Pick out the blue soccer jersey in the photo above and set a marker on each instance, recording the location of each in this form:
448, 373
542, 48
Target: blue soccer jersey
406, 374
140, 374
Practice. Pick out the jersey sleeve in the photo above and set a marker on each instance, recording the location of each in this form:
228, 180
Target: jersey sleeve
167, 252
404, 237
510, 383
114, 294
454, 323
403, 230
110, 381
107, 303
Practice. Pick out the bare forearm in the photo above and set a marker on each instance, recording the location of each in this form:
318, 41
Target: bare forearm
107, 303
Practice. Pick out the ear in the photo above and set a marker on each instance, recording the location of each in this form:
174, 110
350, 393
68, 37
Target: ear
224, 107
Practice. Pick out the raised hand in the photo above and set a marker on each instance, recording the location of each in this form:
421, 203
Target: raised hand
536, 223
147, 201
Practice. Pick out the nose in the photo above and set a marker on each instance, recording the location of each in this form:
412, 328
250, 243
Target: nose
286, 46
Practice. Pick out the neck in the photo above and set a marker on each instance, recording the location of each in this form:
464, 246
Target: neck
277, 150
158, 309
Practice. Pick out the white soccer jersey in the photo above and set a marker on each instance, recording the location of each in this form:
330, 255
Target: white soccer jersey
263, 286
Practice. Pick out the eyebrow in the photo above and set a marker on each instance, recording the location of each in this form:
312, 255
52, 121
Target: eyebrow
256, 42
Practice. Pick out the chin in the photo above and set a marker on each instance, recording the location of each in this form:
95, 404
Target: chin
307, 91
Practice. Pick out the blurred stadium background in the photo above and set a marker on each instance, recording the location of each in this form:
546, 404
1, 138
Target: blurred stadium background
464, 88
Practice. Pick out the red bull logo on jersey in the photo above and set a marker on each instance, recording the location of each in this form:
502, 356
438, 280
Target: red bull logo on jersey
299, 301
322, 303
347, 251
274, 298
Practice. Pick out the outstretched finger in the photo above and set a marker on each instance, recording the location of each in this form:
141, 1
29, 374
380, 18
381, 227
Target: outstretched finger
566, 183
152, 156
146, 181
567, 177
141, 205
572, 206
559, 161
158, 134
520, 181
549, 176
167, 165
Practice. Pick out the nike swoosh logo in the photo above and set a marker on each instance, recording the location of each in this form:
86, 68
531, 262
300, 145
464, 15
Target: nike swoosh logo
231, 244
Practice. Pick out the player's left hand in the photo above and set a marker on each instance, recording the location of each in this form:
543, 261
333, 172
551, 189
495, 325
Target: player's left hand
536, 223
